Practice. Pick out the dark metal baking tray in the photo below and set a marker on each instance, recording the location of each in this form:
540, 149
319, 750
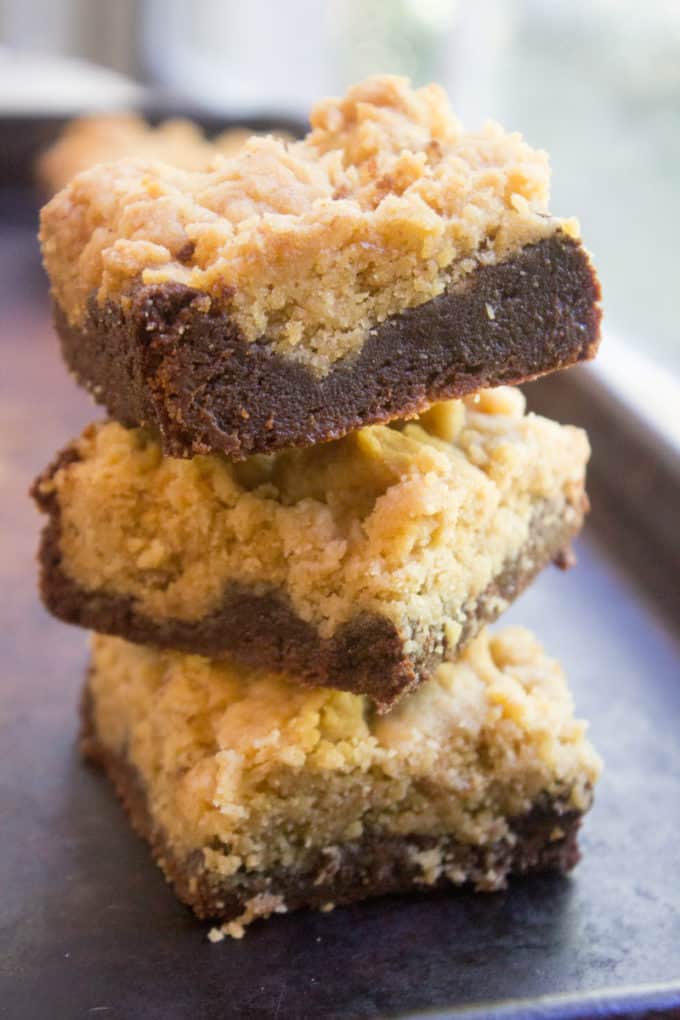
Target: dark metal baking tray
88, 927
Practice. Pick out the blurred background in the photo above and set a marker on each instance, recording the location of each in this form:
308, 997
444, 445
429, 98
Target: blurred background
596, 82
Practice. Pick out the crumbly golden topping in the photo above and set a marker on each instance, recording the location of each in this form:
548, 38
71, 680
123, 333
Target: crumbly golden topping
257, 772
385, 203
412, 522
87, 141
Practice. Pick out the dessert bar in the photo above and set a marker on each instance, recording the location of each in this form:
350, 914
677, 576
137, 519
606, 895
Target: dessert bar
259, 796
358, 564
299, 291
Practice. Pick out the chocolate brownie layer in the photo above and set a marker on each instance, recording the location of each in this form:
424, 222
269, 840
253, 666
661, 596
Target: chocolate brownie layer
368, 655
544, 839
163, 361
258, 796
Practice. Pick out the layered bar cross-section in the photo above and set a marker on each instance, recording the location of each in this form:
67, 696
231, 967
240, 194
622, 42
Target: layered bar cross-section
298, 291
259, 796
358, 564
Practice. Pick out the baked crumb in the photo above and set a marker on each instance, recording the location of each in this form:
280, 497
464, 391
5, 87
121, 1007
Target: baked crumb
261, 906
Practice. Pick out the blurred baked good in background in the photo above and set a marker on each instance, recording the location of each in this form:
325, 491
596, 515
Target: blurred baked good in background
86, 141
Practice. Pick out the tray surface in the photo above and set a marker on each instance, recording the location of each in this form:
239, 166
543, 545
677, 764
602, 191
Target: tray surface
87, 925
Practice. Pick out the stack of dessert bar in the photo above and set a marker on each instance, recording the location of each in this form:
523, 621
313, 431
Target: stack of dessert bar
314, 491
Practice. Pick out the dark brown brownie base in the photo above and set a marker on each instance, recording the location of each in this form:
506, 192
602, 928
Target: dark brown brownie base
261, 629
545, 839
191, 376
